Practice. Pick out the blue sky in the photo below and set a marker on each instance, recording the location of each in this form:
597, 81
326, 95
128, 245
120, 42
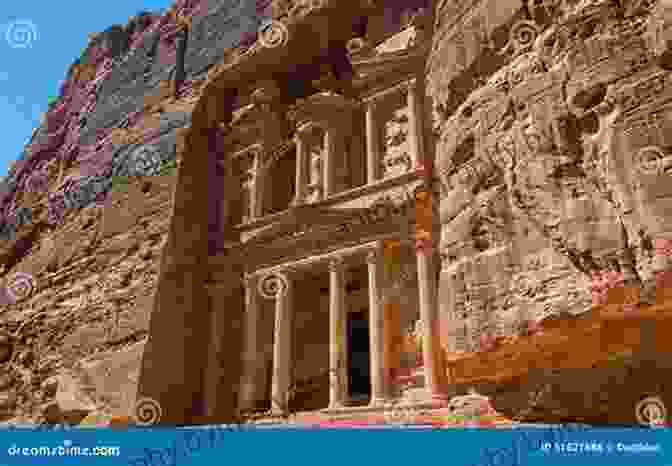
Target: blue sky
56, 33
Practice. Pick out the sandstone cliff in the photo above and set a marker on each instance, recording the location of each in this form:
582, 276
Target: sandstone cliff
553, 134
552, 160
85, 210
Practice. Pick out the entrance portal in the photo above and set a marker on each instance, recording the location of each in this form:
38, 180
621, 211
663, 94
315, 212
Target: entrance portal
359, 369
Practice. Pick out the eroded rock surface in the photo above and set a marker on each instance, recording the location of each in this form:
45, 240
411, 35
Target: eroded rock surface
553, 156
553, 161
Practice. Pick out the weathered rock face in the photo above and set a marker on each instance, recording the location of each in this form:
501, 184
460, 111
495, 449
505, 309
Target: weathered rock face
553, 157
84, 215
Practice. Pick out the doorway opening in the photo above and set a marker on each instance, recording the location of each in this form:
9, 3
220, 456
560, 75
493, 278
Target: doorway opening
359, 368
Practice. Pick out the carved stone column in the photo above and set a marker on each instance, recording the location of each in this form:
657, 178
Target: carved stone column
257, 187
302, 168
373, 144
249, 389
434, 376
337, 339
379, 391
415, 124
278, 286
329, 162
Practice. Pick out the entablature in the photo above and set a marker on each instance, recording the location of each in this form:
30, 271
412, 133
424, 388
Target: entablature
361, 215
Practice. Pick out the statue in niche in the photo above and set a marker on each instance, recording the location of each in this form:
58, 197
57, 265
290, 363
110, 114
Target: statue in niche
316, 174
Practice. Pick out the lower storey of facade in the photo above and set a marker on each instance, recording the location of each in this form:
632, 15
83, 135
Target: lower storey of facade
332, 331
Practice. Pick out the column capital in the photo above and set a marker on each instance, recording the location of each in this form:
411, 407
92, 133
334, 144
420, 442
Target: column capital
337, 264
274, 285
374, 256
371, 103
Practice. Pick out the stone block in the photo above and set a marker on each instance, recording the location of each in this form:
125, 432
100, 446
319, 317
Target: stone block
114, 378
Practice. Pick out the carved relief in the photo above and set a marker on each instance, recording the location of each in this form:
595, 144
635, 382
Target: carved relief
397, 159
315, 186
248, 190
659, 33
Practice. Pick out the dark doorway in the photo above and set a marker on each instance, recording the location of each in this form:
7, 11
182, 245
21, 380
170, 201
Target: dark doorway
359, 369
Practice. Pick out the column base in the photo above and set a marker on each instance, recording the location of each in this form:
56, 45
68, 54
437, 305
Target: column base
337, 405
279, 412
379, 403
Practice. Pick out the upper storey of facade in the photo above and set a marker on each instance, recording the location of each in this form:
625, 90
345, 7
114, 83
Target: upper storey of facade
330, 135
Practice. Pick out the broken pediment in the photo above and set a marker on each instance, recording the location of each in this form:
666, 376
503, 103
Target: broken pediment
400, 41
376, 70
321, 107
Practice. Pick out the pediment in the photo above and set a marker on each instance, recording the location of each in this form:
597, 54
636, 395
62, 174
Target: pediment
403, 40
321, 106
376, 67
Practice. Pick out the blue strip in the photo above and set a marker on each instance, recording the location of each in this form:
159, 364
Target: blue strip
225, 445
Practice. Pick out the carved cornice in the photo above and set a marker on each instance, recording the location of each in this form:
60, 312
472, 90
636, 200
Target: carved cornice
313, 231
372, 73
